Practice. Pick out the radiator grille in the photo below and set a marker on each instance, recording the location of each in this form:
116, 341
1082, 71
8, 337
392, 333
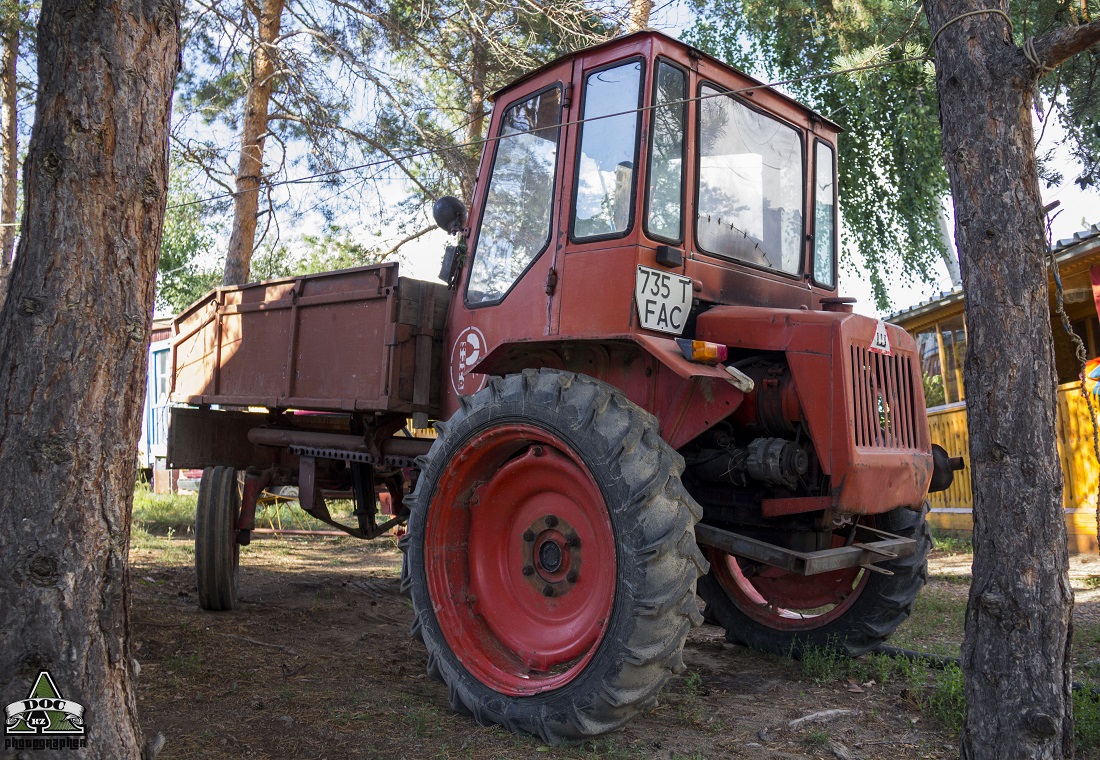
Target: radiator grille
884, 400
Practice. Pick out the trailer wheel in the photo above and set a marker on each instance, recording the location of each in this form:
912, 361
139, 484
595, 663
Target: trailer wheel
551, 556
851, 611
217, 554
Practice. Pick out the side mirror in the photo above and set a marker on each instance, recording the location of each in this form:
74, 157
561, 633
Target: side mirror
449, 214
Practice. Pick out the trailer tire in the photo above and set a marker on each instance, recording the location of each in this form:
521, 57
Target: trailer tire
875, 606
217, 553
560, 609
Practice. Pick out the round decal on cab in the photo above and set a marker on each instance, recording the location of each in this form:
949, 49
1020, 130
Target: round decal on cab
468, 350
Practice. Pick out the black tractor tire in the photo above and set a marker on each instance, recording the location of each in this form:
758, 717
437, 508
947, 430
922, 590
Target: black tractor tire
634, 475
883, 602
217, 553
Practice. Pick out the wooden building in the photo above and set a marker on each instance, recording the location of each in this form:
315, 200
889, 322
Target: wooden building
940, 330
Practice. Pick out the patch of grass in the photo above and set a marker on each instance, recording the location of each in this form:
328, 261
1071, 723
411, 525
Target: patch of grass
1086, 719
824, 664
423, 721
952, 542
692, 681
956, 579
1090, 581
157, 514
606, 747
187, 664
819, 737
947, 702
1086, 644
936, 623
881, 667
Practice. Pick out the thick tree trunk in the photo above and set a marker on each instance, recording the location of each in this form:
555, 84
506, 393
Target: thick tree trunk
9, 145
246, 200
639, 15
73, 341
479, 73
1016, 646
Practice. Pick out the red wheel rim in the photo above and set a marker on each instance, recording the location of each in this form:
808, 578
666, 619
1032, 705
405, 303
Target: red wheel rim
783, 600
519, 555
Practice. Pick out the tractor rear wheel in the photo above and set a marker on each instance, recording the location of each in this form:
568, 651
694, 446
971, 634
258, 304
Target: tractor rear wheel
850, 611
551, 558
217, 553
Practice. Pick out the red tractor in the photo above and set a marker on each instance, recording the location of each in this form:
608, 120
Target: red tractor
645, 387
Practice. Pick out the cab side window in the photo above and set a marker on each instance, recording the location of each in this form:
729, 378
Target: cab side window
824, 215
604, 198
515, 226
664, 215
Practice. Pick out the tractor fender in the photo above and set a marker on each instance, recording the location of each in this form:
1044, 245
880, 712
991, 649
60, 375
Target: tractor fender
686, 398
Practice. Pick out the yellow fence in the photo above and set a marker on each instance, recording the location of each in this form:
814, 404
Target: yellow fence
952, 509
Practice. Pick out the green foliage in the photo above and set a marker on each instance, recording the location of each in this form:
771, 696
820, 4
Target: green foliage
449, 57
184, 270
947, 701
824, 664
1086, 719
334, 249
892, 180
933, 390
952, 543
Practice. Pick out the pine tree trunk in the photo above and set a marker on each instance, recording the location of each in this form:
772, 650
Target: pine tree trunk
73, 341
1016, 646
479, 72
639, 15
246, 202
9, 145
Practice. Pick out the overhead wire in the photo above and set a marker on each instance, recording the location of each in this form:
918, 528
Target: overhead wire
312, 178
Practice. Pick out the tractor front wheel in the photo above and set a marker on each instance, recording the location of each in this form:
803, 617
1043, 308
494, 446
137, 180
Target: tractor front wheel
551, 557
851, 610
217, 553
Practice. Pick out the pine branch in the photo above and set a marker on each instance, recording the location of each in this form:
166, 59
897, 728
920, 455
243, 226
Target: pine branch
1054, 48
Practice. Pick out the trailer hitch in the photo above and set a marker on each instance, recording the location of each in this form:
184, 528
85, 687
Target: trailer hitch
875, 546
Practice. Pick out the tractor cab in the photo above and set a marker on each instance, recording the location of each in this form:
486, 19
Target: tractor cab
628, 188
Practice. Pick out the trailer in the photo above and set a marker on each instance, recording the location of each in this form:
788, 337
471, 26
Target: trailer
644, 384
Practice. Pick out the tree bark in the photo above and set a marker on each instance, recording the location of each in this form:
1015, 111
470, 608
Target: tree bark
9, 138
250, 168
479, 73
73, 341
639, 15
1015, 653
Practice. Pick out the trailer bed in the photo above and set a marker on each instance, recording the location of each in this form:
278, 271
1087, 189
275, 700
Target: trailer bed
362, 339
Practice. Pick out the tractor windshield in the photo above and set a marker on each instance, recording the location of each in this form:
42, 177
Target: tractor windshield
750, 184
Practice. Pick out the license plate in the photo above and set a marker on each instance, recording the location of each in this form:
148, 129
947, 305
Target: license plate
664, 300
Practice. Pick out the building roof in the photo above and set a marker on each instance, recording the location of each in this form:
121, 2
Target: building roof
1067, 249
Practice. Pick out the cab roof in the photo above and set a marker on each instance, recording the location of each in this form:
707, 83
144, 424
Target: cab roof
687, 50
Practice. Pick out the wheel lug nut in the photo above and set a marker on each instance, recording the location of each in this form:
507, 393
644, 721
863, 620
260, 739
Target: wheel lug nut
547, 590
537, 451
551, 521
574, 542
528, 536
528, 570
572, 576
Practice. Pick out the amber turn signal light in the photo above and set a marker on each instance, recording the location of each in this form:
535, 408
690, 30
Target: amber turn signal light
702, 352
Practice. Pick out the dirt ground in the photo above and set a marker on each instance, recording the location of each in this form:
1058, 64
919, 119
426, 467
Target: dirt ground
317, 662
